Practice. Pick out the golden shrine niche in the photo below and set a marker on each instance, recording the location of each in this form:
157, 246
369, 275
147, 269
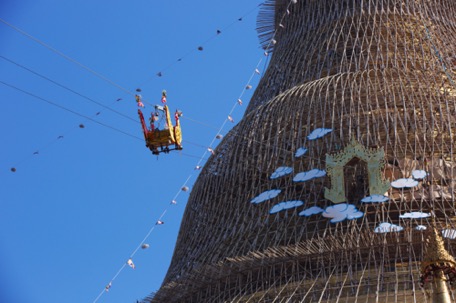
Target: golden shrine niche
374, 158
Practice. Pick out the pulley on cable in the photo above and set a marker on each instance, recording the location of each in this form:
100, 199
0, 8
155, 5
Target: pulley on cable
158, 140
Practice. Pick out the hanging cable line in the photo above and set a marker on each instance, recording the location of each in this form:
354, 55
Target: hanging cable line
69, 89
99, 75
104, 78
69, 110
200, 48
140, 245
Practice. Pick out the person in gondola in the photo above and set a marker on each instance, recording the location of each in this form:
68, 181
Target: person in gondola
153, 118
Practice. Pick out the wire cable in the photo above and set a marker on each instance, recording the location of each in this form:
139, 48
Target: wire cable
69, 110
68, 89
104, 78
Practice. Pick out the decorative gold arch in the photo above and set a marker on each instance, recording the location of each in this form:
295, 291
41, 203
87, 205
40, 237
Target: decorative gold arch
335, 170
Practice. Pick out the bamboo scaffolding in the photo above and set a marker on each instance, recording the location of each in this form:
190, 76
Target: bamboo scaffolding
380, 72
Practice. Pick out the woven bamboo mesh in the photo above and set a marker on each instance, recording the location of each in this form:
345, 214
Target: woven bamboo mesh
379, 74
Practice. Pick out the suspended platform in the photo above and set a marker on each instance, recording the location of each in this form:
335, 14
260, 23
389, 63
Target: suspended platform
160, 140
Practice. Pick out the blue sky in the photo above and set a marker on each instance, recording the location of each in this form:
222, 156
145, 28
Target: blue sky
72, 214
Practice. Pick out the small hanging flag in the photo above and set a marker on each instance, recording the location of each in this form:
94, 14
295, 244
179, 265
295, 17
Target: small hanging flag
239, 101
145, 246
173, 202
211, 150
185, 188
164, 95
200, 48
36, 153
138, 90
230, 118
219, 136
130, 263
60, 137
219, 32
159, 74
257, 71
13, 169
240, 19
81, 126
197, 167
107, 287
118, 99
179, 60
98, 113
248, 86
138, 101
159, 222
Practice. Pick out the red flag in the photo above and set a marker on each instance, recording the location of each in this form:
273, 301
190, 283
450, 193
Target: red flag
163, 99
